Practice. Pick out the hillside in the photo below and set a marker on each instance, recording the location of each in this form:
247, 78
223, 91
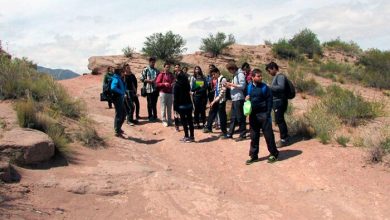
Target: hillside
151, 175
58, 74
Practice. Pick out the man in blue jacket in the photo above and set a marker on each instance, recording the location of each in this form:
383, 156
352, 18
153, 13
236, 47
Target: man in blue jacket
260, 96
118, 93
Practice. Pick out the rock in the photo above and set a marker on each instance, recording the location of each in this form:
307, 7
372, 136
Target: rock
27, 146
7, 173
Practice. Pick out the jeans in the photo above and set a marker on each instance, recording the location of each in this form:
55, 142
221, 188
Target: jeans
261, 121
137, 107
166, 101
200, 109
220, 110
152, 98
119, 113
280, 107
186, 120
130, 106
238, 117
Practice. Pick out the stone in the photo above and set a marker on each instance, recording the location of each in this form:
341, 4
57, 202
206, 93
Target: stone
26, 146
7, 173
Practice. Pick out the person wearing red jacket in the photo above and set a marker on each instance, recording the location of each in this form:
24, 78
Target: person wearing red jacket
164, 83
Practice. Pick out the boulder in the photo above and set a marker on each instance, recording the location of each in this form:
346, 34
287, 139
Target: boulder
26, 146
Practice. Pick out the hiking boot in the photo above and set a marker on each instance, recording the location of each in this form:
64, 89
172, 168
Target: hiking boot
272, 159
252, 160
206, 130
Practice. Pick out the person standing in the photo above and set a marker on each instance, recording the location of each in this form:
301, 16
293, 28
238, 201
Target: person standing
176, 117
183, 105
131, 94
199, 95
246, 68
164, 81
106, 81
237, 87
218, 105
280, 101
260, 96
148, 77
118, 89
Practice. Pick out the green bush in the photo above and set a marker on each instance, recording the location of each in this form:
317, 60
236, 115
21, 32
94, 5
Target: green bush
25, 111
216, 44
323, 123
167, 47
306, 42
284, 50
342, 140
302, 84
128, 51
350, 108
88, 134
350, 48
377, 64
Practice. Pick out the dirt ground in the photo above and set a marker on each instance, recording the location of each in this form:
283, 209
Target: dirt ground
151, 175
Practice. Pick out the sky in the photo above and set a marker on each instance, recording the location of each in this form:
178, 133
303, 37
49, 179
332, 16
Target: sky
65, 33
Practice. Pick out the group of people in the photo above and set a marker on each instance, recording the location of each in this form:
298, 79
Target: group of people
186, 98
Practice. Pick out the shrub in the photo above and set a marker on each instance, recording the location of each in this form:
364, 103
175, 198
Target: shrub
310, 86
342, 140
268, 42
88, 134
25, 111
284, 50
3, 123
323, 123
306, 42
128, 51
215, 45
350, 48
168, 46
350, 108
377, 65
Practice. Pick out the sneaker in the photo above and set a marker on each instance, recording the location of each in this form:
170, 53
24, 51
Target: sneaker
120, 135
190, 140
223, 136
165, 124
282, 142
121, 131
136, 122
177, 128
272, 159
130, 123
184, 139
206, 130
252, 160
229, 136
240, 139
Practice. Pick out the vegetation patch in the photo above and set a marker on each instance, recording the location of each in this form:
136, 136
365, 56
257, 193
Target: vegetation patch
350, 48
216, 44
88, 134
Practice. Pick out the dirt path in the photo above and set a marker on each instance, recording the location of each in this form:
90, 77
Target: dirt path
154, 176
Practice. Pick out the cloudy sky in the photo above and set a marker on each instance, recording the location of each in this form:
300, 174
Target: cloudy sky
65, 33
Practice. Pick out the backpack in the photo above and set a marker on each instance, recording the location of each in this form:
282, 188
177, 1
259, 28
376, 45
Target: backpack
107, 92
289, 89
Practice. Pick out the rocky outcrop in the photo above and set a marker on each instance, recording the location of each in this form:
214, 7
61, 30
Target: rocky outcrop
26, 146
99, 64
7, 173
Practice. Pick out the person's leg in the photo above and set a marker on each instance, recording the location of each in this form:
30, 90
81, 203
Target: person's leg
119, 114
203, 111
190, 124
154, 104
241, 118
196, 110
269, 137
149, 99
109, 104
233, 118
163, 104
222, 117
137, 106
279, 119
212, 115
123, 113
183, 120
255, 136
169, 102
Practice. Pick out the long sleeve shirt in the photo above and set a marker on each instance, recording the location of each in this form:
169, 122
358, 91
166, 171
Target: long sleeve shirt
278, 86
237, 93
117, 85
220, 90
164, 78
149, 73
261, 98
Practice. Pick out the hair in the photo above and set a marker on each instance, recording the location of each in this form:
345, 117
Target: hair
231, 66
256, 71
212, 66
108, 68
215, 70
245, 65
200, 71
118, 71
185, 68
272, 65
152, 59
177, 64
167, 63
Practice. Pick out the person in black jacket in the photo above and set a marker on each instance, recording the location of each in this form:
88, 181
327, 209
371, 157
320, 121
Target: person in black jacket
131, 94
183, 105
260, 96
199, 94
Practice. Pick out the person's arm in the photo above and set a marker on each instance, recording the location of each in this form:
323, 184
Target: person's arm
280, 83
269, 101
114, 86
159, 81
241, 82
223, 90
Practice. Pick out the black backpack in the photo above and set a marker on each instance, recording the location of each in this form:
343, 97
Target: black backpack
289, 88
107, 92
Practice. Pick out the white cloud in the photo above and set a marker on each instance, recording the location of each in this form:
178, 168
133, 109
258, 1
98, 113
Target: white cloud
211, 23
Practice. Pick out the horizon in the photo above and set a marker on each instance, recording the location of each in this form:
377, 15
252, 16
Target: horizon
64, 34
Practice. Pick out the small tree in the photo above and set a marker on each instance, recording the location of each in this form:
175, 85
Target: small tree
167, 47
307, 42
128, 51
215, 45
282, 49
